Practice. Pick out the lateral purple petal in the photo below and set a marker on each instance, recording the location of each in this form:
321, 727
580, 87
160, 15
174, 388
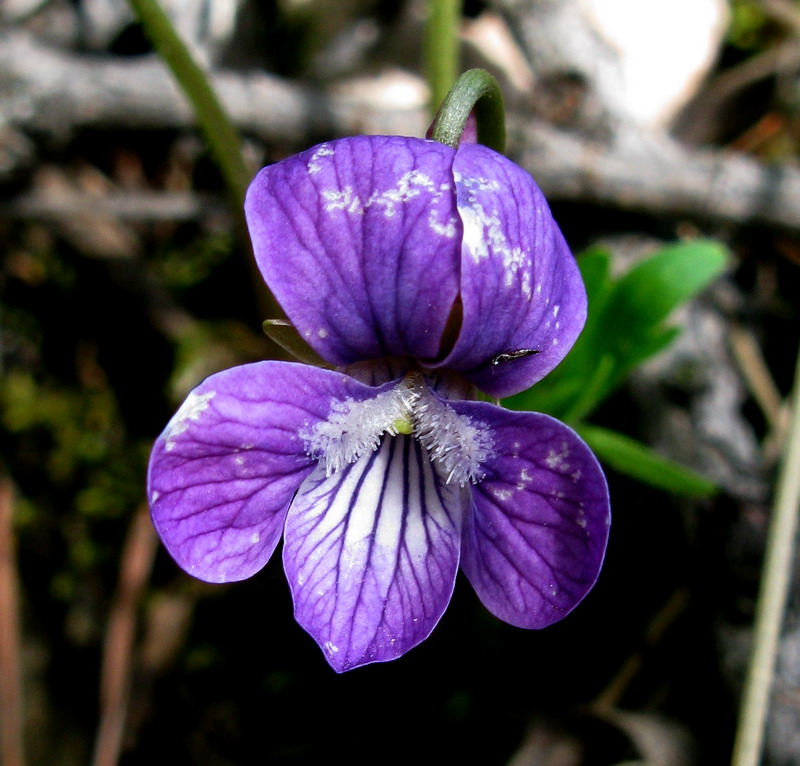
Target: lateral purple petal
359, 240
520, 286
371, 553
224, 470
535, 540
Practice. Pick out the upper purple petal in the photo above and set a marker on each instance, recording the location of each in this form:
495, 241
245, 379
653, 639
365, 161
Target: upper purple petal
535, 540
520, 286
226, 467
359, 240
371, 553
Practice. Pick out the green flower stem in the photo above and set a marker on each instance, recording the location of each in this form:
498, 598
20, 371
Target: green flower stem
475, 90
222, 136
442, 47
772, 596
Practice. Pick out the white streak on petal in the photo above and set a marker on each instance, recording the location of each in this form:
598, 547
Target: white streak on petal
323, 151
556, 460
189, 412
447, 230
408, 186
343, 199
484, 234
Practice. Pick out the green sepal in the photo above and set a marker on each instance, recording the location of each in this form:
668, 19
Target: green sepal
285, 334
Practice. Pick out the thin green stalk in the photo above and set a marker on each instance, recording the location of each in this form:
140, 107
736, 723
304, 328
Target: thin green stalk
220, 133
442, 47
222, 136
475, 90
772, 597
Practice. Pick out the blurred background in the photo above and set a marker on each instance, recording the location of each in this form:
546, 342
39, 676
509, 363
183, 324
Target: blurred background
126, 279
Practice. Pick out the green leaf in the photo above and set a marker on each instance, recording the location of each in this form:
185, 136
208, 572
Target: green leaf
630, 326
655, 287
595, 266
635, 459
624, 325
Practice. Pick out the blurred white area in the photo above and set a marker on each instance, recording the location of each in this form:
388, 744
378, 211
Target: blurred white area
394, 101
642, 60
661, 51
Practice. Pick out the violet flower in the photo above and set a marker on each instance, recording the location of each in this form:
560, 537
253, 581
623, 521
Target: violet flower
421, 274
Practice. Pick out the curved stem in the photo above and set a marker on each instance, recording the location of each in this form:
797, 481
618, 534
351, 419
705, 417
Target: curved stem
772, 596
475, 90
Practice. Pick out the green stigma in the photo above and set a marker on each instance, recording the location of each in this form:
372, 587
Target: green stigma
403, 426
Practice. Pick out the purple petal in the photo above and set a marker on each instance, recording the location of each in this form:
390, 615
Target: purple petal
359, 240
520, 286
224, 470
371, 553
535, 540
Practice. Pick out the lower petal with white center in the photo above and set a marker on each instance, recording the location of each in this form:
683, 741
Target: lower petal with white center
372, 551
536, 534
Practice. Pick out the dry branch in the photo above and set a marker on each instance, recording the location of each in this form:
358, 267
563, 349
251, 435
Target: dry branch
11, 714
118, 652
657, 175
150, 206
56, 93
